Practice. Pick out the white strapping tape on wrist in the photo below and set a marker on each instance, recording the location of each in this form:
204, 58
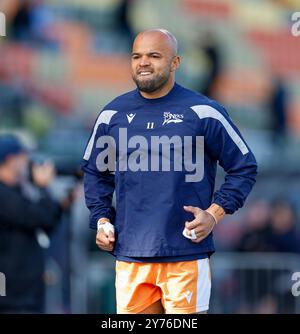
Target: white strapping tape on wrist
107, 227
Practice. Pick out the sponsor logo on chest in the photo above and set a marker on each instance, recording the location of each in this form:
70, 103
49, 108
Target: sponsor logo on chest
172, 118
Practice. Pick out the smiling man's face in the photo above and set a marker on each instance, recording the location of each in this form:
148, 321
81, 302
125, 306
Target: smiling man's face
153, 61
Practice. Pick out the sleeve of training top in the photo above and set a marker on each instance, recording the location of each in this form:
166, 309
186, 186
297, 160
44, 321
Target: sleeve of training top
99, 184
225, 144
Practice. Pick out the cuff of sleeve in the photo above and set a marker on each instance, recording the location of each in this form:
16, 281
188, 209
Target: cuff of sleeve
217, 212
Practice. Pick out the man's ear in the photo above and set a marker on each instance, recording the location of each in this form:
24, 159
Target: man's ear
175, 63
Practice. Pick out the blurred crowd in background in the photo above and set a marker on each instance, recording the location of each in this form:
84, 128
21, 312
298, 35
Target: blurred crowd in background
62, 61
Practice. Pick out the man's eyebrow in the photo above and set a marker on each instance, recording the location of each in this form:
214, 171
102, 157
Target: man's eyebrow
148, 54
155, 53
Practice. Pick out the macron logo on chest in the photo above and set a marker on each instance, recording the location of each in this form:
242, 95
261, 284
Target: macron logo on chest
130, 117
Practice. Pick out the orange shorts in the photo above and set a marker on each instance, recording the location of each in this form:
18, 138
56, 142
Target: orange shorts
183, 287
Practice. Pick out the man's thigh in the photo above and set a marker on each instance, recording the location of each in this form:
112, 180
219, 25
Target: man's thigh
186, 286
155, 308
135, 288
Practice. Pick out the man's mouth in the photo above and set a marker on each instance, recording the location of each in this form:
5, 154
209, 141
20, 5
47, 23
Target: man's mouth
144, 73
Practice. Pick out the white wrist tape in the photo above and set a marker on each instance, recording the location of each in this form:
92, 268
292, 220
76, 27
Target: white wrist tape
106, 227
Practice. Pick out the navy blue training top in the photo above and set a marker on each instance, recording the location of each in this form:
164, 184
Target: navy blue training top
162, 154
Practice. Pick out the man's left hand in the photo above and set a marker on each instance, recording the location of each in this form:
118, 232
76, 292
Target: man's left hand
203, 223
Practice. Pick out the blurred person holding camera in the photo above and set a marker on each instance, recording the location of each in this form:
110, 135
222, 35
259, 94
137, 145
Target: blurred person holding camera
25, 222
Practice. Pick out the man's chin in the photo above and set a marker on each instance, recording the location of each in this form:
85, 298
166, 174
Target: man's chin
146, 87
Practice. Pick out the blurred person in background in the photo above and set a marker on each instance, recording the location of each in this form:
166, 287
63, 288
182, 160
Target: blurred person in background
254, 239
283, 236
256, 228
123, 21
21, 23
279, 109
32, 23
211, 51
25, 222
270, 228
81, 237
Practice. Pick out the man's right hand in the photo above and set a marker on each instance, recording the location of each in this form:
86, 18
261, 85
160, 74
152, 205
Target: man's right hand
105, 241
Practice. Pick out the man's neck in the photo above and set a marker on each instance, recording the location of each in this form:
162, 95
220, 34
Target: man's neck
165, 90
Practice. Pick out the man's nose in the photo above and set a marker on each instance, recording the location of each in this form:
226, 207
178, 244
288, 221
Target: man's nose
144, 61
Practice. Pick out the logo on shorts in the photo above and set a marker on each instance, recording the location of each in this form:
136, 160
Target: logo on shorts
188, 296
172, 118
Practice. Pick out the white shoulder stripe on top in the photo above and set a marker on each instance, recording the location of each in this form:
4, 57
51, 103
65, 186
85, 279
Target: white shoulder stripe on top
104, 118
205, 111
